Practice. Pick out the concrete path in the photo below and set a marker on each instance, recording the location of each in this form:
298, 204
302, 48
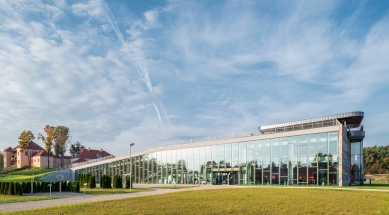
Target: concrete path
77, 198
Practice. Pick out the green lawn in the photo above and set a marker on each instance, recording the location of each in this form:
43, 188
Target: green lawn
371, 186
172, 187
238, 201
101, 191
26, 175
8, 199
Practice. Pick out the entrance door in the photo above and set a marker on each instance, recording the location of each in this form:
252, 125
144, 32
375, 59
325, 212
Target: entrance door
233, 178
226, 178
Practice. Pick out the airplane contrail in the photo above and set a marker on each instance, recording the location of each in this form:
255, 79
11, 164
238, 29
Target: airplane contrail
141, 71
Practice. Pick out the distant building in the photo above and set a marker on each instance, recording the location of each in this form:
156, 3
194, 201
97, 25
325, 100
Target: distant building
36, 156
89, 154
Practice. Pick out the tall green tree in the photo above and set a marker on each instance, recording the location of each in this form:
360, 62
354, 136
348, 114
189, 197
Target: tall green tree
61, 136
75, 147
48, 141
376, 159
25, 139
1, 161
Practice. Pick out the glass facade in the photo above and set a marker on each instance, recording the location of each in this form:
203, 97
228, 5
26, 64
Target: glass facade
357, 173
296, 160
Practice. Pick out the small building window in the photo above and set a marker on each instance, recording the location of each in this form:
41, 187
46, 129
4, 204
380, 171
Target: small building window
25, 153
38, 160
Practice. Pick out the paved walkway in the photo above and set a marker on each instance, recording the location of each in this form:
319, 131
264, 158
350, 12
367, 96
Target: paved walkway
77, 198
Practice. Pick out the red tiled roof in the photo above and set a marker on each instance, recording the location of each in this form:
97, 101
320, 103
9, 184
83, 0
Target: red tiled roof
67, 157
31, 146
79, 160
44, 154
9, 149
92, 153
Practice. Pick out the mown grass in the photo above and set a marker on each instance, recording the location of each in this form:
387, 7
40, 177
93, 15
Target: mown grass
237, 201
26, 175
172, 187
8, 199
101, 191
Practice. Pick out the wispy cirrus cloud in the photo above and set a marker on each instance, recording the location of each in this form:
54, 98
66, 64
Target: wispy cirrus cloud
208, 68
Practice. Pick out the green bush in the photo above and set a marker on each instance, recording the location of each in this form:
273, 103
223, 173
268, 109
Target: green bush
27, 187
128, 182
117, 181
34, 187
5, 190
92, 182
105, 181
64, 186
18, 190
11, 188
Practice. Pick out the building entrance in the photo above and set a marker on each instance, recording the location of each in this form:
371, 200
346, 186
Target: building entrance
224, 178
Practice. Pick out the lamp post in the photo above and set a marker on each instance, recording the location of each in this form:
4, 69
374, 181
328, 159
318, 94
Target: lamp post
132, 144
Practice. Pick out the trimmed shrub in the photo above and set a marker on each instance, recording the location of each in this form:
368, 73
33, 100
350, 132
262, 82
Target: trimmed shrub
18, 189
1, 187
34, 187
128, 182
92, 182
5, 190
65, 186
76, 187
11, 189
117, 181
27, 188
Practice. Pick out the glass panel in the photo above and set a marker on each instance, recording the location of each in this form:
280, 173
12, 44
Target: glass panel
302, 140
323, 143
312, 140
235, 154
242, 156
275, 179
251, 145
208, 151
215, 159
333, 143
228, 151
258, 145
284, 147
275, 147
266, 147
266, 162
258, 176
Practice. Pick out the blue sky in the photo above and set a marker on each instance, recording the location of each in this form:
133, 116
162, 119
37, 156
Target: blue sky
153, 72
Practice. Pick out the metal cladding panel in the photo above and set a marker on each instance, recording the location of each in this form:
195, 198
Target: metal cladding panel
344, 116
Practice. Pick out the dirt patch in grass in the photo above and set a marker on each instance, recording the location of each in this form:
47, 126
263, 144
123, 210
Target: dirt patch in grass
237, 201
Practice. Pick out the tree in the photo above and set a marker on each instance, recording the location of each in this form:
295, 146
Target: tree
1, 161
61, 136
48, 141
25, 139
75, 147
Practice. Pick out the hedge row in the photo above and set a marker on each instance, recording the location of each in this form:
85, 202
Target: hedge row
117, 181
16, 188
105, 181
87, 178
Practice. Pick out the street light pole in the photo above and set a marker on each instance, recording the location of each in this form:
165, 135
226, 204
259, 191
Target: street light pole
132, 144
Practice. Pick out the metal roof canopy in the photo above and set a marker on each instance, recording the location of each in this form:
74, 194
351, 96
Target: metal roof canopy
355, 118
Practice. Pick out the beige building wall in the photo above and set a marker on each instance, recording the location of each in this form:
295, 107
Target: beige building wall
41, 161
7, 159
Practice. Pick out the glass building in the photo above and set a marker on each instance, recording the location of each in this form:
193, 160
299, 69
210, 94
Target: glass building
318, 151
